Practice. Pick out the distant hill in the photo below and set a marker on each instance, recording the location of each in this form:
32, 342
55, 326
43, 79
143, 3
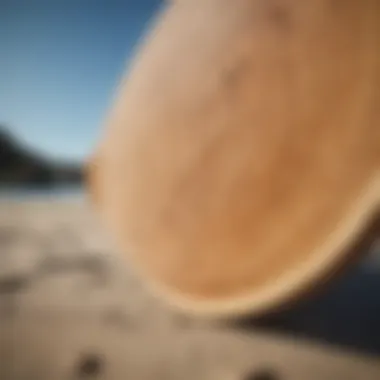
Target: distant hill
20, 166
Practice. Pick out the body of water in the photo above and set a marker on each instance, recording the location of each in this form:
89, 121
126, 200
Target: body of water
53, 192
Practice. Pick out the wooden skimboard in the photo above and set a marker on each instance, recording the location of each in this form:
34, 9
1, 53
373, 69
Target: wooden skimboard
241, 158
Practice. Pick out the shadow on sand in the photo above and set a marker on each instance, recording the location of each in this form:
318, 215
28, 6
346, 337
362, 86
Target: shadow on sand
347, 314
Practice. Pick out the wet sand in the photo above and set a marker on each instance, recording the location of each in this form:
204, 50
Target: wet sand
70, 308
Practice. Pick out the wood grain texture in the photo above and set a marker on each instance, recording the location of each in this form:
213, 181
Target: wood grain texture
242, 156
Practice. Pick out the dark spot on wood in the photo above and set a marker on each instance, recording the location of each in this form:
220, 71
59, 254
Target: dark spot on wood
262, 374
278, 14
231, 77
338, 7
89, 366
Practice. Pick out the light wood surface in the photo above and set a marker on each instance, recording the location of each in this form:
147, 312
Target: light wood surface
241, 158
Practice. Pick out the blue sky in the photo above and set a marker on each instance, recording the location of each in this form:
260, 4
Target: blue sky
60, 61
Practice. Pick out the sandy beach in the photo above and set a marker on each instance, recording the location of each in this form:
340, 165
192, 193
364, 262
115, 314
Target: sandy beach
71, 308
